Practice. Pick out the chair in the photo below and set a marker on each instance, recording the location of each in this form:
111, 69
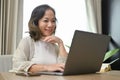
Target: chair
5, 63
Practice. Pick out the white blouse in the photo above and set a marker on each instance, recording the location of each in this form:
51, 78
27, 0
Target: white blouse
45, 53
30, 52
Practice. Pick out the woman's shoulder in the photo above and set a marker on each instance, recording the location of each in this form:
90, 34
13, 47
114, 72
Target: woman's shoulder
27, 39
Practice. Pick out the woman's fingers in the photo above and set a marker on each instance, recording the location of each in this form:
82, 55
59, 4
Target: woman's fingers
56, 67
52, 39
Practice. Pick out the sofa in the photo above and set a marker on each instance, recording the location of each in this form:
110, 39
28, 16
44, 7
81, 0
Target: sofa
5, 63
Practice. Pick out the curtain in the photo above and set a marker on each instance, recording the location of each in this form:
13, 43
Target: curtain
11, 16
93, 8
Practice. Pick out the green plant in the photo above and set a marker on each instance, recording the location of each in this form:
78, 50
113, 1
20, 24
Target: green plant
110, 53
67, 46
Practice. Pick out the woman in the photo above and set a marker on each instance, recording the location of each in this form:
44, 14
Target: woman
42, 50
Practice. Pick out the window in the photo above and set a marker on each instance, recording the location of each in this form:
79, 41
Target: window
71, 15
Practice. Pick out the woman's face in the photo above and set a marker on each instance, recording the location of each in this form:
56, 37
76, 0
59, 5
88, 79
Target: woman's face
47, 24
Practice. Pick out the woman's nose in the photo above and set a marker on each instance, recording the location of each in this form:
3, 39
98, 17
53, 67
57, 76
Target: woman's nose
50, 24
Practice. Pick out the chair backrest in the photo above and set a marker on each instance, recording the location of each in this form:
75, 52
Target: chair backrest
5, 63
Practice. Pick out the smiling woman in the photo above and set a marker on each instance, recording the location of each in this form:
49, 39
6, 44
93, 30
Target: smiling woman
41, 50
70, 15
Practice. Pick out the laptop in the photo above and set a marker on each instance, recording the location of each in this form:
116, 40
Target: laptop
86, 54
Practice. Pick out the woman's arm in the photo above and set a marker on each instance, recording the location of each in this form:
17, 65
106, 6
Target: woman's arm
21, 56
49, 67
62, 51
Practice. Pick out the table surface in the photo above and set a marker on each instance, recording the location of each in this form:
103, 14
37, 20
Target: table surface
111, 75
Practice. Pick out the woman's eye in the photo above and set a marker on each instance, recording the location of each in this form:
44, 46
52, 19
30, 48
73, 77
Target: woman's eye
53, 21
45, 20
50, 21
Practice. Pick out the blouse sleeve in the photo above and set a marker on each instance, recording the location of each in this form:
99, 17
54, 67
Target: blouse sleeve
21, 60
60, 59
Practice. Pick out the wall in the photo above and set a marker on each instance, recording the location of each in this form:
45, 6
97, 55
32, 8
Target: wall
111, 26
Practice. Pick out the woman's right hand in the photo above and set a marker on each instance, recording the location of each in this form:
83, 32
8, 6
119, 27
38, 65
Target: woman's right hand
49, 67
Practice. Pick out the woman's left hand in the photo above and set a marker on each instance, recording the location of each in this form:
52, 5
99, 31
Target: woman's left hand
52, 39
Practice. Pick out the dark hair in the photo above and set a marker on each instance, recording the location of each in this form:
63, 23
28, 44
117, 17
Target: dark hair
36, 15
